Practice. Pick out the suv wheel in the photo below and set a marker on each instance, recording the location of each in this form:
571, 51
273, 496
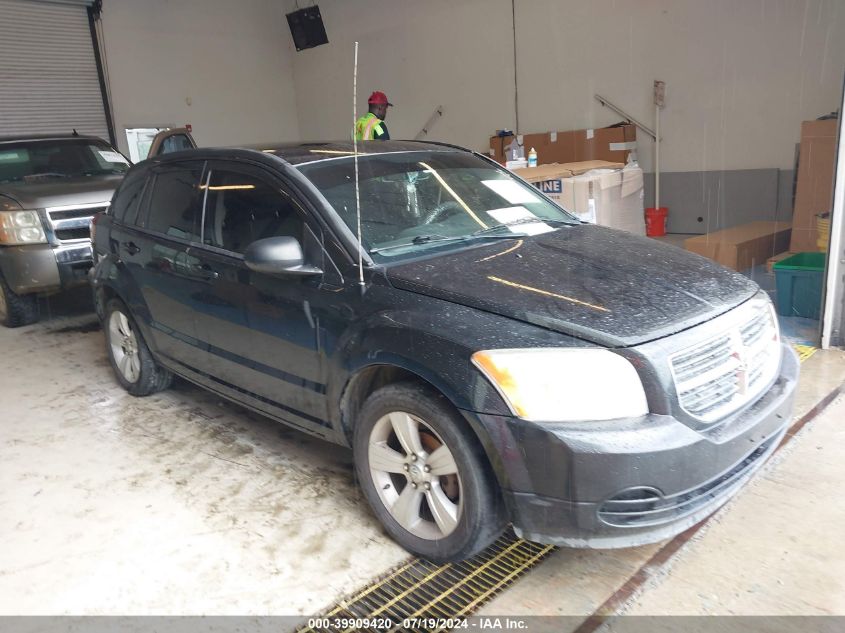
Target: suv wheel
15, 309
425, 475
133, 364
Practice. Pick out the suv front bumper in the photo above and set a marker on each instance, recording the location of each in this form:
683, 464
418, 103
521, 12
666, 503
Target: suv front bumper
44, 268
629, 482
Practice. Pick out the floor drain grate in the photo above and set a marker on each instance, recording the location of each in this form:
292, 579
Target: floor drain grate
420, 589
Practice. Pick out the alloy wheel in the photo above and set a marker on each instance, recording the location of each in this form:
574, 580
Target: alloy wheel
416, 475
124, 346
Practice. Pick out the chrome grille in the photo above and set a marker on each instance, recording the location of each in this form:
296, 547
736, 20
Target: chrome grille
72, 223
702, 359
722, 374
753, 330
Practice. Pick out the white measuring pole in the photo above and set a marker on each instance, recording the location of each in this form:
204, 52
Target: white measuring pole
657, 157
659, 95
355, 152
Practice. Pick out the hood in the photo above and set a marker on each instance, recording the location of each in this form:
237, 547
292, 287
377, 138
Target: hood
57, 192
595, 283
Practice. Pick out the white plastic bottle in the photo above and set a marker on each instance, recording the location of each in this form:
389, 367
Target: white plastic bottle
515, 151
532, 158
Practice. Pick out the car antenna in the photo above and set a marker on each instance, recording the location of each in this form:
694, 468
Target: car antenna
355, 154
75, 133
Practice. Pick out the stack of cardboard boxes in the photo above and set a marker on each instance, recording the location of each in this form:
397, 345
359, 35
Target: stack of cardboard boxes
586, 172
814, 187
597, 191
612, 144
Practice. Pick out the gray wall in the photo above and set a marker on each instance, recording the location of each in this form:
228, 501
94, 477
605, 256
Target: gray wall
740, 75
224, 67
706, 201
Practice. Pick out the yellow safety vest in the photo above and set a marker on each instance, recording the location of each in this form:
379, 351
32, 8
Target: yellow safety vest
367, 126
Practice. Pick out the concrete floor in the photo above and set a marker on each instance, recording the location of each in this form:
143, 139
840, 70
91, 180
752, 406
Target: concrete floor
173, 504
182, 504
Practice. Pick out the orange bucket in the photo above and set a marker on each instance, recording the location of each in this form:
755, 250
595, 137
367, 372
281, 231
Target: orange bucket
655, 221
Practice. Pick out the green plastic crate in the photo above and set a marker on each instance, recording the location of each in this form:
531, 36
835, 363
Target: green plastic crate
798, 279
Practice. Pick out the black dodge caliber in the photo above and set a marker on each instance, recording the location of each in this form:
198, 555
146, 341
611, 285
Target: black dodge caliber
487, 357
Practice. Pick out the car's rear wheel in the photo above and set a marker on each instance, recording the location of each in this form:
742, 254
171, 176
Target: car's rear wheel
15, 309
133, 364
425, 474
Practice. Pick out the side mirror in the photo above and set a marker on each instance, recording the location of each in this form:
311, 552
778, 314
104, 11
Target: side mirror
278, 256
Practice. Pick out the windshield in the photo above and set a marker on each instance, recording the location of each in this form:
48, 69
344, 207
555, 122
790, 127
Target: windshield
416, 201
30, 161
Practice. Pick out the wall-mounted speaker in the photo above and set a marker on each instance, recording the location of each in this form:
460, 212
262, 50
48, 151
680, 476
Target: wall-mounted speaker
306, 28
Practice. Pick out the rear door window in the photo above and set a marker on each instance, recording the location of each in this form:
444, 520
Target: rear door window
175, 202
241, 208
124, 206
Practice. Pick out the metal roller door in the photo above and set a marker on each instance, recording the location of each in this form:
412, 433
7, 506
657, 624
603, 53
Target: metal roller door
49, 81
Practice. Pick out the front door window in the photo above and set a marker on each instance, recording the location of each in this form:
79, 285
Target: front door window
241, 209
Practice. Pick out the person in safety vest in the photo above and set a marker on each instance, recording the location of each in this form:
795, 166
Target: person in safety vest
371, 126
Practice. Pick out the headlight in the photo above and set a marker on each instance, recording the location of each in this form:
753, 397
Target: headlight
21, 227
562, 385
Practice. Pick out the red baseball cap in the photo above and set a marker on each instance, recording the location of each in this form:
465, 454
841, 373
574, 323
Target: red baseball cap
379, 98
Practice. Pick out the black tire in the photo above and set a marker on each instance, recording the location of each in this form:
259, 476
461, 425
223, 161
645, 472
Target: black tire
16, 310
481, 516
149, 377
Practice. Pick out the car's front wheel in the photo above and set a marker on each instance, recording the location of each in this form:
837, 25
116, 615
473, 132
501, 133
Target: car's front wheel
15, 309
425, 474
133, 364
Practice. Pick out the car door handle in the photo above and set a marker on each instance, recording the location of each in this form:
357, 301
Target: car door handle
204, 271
131, 247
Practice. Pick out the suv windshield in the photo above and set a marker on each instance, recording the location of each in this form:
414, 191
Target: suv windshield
414, 201
28, 161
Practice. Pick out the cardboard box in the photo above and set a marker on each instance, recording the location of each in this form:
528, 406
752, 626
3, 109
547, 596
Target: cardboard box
742, 247
775, 259
814, 189
583, 167
612, 144
600, 192
543, 174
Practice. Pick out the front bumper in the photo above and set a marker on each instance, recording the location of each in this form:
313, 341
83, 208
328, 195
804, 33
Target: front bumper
630, 482
45, 268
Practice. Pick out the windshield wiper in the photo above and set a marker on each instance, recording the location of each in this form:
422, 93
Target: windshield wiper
422, 239
104, 172
46, 174
426, 239
537, 220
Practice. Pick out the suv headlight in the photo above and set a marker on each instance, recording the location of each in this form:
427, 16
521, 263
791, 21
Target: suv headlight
563, 385
21, 227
